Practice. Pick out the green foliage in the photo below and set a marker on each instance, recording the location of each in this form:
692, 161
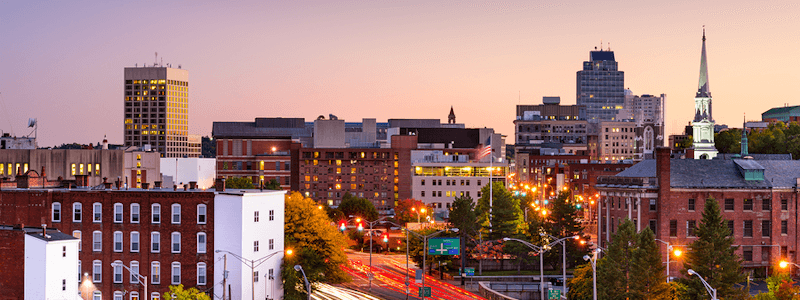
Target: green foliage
713, 257
208, 147
580, 286
239, 183
184, 294
416, 250
777, 138
781, 287
272, 185
463, 216
615, 269
687, 143
505, 219
407, 210
729, 141
562, 221
317, 244
360, 207
293, 283
648, 280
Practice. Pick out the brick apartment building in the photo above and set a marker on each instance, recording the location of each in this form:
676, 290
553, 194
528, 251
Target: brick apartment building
166, 235
757, 197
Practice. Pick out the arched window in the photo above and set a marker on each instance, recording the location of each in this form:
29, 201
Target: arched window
176, 242
176, 273
201, 214
176, 214
201, 273
97, 212
201, 242
117, 212
135, 213
155, 215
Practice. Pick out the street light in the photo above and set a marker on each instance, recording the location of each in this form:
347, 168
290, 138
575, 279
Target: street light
360, 227
425, 251
406, 229
711, 291
670, 248
253, 264
563, 257
308, 286
593, 259
142, 279
541, 250
421, 210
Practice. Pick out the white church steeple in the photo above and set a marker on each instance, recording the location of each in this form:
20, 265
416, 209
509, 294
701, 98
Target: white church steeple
703, 123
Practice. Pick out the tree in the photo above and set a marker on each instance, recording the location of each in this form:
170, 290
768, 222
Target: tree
729, 141
503, 220
354, 206
713, 258
273, 185
416, 249
317, 244
239, 183
615, 268
562, 221
687, 143
208, 147
185, 294
463, 217
406, 210
581, 285
781, 287
648, 280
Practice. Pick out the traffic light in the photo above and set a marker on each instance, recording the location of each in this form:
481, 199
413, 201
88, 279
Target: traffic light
342, 227
360, 227
385, 238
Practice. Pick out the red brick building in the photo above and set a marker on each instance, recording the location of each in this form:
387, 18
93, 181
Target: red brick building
757, 197
260, 159
167, 235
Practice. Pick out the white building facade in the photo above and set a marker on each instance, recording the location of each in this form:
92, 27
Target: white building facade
51, 266
201, 170
249, 242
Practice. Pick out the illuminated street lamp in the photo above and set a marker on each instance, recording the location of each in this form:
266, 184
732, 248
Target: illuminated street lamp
711, 291
670, 250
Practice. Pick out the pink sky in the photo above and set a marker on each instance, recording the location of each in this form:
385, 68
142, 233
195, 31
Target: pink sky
62, 61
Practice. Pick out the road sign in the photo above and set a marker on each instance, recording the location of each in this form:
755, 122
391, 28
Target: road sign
467, 271
418, 276
427, 291
553, 294
443, 246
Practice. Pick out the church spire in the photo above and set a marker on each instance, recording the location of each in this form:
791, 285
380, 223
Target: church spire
744, 138
451, 119
703, 90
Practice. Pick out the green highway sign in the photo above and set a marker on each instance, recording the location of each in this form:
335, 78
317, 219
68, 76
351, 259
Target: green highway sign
553, 294
467, 271
427, 291
444, 246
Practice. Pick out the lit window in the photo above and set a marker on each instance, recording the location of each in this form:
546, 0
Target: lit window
72, 168
155, 272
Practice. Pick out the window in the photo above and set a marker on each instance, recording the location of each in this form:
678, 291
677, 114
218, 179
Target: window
56, 212
80, 272
63, 284
748, 228
272, 215
134, 296
652, 204
176, 214
673, 228
135, 270
255, 216
255, 246
117, 241
77, 234
729, 204
117, 212
176, 273
271, 274
97, 241
97, 212
155, 296
690, 226
255, 276
201, 273
155, 242
134, 213
97, 295
730, 227
766, 228
748, 204
784, 204
691, 204
155, 216
201, 214
201, 242
784, 226
176, 242
653, 225
747, 253
64, 251
271, 244
766, 204
766, 253
155, 272
97, 271
117, 271
134, 241
77, 212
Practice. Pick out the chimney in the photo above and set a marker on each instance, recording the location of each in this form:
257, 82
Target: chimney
663, 173
185, 187
145, 185
192, 185
106, 184
219, 184
174, 187
689, 153
157, 184
118, 183
19, 171
82, 180
44, 175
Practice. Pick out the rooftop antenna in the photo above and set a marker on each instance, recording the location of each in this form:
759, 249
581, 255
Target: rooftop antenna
601, 44
32, 123
156, 62
609, 46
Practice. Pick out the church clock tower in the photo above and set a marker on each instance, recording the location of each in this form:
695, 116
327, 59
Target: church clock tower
703, 123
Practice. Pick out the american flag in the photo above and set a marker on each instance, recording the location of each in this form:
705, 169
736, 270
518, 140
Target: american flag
484, 152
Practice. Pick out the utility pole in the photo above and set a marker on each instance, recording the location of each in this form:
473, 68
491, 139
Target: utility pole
224, 275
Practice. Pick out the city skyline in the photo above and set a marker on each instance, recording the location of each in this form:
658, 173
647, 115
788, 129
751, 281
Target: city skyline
64, 62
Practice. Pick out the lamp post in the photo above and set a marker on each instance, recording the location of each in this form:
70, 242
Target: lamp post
711, 291
406, 229
421, 210
670, 248
541, 250
142, 279
253, 264
425, 251
308, 286
593, 259
372, 223
563, 256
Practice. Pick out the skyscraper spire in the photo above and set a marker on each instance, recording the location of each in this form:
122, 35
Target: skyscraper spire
703, 90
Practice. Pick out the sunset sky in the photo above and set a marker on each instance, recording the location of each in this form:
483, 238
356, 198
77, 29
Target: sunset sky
62, 61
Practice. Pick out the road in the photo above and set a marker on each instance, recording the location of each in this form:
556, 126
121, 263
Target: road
390, 276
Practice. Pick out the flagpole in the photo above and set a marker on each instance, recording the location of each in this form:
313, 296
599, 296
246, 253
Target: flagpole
491, 184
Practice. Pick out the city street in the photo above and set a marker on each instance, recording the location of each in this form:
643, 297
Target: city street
389, 279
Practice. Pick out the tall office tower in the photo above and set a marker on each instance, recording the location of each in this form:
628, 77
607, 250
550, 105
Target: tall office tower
703, 123
600, 87
157, 109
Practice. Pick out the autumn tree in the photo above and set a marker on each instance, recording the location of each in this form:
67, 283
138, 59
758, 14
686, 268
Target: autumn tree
318, 245
407, 210
177, 292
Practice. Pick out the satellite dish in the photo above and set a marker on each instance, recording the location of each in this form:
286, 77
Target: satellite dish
31, 122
